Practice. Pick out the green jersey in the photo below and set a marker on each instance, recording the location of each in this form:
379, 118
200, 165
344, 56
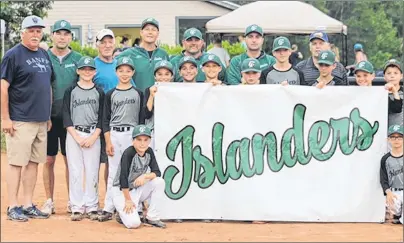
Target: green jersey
233, 74
144, 62
201, 75
65, 76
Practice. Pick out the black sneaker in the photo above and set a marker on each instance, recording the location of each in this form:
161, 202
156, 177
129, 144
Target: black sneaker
16, 214
35, 213
155, 223
105, 216
118, 218
93, 215
76, 216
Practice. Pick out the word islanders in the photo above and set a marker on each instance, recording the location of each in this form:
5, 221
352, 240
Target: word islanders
350, 133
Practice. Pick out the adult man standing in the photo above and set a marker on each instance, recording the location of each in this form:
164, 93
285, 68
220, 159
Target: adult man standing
254, 40
26, 96
64, 62
319, 42
146, 55
193, 44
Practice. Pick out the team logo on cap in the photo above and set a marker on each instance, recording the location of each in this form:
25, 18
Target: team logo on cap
187, 58
192, 32
396, 128
361, 64
324, 55
319, 35
87, 60
35, 20
163, 63
251, 64
125, 60
150, 19
63, 23
142, 129
254, 27
211, 57
281, 41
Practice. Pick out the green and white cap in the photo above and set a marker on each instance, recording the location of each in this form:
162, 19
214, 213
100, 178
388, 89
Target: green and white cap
254, 28
326, 57
392, 62
250, 65
86, 62
395, 129
164, 64
141, 130
62, 25
32, 21
125, 61
187, 59
151, 21
281, 43
211, 58
364, 66
192, 32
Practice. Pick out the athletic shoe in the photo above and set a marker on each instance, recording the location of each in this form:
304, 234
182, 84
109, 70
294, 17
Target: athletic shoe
16, 214
35, 213
48, 207
207, 221
69, 208
93, 215
178, 220
76, 216
155, 223
118, 218
105, 216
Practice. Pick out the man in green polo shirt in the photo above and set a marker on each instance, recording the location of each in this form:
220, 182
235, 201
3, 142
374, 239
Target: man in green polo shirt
146, 55
254, 40
193, 43
64, 62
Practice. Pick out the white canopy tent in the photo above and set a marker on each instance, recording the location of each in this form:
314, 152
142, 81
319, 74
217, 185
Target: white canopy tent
276, 17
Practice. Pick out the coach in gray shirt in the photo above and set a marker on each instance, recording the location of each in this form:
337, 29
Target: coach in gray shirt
319, 42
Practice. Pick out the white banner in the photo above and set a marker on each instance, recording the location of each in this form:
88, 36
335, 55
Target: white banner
273, 153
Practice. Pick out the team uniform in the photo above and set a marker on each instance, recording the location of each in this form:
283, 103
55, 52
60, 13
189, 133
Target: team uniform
82, 109
273, 76
132, 166
123, 110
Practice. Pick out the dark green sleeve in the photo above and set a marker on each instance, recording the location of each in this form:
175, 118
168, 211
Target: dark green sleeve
174, 61
233, 72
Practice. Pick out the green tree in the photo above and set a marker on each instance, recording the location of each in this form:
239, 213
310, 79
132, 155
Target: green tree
13, 14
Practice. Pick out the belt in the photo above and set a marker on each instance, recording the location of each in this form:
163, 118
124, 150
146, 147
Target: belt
86, 129
396, 189
121, 129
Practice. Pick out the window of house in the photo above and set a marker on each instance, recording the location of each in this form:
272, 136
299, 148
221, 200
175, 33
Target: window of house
183, 23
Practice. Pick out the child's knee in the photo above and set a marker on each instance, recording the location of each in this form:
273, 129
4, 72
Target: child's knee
132, 223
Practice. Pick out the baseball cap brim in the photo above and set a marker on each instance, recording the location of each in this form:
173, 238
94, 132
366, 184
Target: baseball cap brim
142, 134
395, 132
325, 62
251, 70
127, 64
149, 22
282, 47
195, 64
362, 69
86, 65
254, 31
69, 30
213, 61
392, 65
194, 36
166, 67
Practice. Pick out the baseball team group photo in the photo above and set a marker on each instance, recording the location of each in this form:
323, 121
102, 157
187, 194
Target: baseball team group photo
163, 124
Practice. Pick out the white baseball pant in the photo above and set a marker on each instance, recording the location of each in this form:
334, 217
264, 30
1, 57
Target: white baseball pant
152, 191
83, 161
120, 141
397, 207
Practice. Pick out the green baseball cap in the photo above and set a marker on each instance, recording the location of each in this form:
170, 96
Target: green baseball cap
326, 57
254, 28
364, 66
86, 62
192, 32
125, 61
250, 65
141, 130
187, 59
151, 21
281, 43
395, 129
211, 58
62, 25
164, 64
392, 62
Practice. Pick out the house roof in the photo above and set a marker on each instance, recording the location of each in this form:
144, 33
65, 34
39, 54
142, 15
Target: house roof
225, 4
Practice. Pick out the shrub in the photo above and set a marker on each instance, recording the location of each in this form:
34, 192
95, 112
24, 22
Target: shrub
171, 50
84, 50
233, 49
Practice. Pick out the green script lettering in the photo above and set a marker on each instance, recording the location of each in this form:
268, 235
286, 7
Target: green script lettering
347, 133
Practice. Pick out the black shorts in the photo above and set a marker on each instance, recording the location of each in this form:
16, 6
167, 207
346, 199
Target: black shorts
55, 135
104, 156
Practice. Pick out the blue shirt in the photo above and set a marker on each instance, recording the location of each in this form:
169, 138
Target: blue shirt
106, 77
30, 76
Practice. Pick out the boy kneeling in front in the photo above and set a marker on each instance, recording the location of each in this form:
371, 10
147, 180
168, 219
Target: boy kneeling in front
134, 184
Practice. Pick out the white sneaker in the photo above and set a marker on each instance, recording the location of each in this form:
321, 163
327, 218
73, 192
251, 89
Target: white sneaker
48, 207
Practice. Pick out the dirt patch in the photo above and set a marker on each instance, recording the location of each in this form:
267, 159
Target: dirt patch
60, 228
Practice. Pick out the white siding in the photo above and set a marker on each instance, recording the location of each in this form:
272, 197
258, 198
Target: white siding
101, 13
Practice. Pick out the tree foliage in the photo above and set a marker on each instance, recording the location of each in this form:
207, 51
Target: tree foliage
13, 14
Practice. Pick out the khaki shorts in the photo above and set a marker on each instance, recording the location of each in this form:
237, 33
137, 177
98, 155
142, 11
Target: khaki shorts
27, 144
